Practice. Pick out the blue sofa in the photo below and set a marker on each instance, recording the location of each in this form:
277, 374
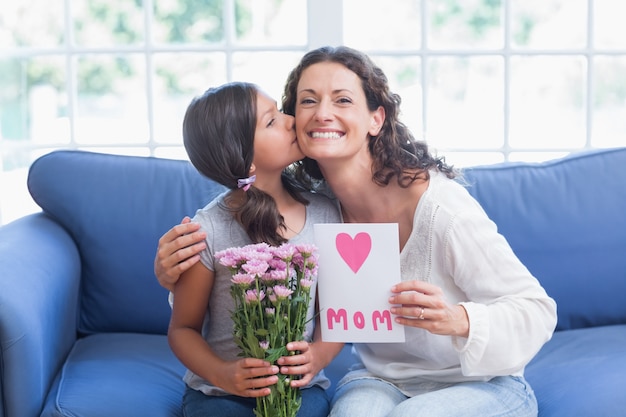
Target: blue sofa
83, 319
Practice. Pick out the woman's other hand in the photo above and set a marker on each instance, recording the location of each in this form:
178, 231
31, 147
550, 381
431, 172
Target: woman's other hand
178, 250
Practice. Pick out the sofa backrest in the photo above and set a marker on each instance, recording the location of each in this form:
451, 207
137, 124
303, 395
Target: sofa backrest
566, 220
116, 208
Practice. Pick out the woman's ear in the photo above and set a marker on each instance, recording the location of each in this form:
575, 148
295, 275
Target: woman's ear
377, 120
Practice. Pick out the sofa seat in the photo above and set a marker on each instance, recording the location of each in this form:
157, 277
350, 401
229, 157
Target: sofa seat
581, 372
137, 367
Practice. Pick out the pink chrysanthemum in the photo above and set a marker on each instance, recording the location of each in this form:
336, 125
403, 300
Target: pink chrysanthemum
254, 296
242, 280
279, 275
306, 283
285, 252
281, 291
228, 259
255, 267
306, 249
276, 263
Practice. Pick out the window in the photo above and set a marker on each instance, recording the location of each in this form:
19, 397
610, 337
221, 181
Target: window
482, 81
486, 81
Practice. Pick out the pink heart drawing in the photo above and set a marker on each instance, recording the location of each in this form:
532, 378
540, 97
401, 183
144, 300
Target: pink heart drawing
354, 251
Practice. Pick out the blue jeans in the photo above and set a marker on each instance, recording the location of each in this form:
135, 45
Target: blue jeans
315, 403
501, 396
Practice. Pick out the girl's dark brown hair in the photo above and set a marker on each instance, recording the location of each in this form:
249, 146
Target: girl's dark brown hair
394, 150
218, 134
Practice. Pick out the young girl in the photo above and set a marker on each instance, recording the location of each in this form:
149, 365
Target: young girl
235, 135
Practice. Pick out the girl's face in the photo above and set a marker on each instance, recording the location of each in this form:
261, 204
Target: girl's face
332, 117
275, 144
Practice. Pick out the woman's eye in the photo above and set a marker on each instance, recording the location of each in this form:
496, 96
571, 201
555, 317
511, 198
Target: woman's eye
307, 101
271, 122
344, 100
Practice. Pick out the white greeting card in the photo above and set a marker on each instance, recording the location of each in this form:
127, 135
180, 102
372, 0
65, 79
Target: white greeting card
358, 265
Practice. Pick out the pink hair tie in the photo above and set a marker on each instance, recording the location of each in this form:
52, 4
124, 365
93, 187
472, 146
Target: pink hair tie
245, 183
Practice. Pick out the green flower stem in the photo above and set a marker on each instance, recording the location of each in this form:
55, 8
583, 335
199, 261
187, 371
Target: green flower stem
260, 305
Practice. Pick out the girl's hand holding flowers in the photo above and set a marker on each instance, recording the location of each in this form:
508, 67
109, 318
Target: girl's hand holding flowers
300, 363
248, 377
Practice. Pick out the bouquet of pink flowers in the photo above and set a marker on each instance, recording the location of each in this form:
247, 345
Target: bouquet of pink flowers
272, 292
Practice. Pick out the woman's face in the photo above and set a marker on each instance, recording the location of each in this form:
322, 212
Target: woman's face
332, 118
275, 144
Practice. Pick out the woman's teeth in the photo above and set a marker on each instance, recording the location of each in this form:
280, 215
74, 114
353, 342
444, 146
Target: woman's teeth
325, 135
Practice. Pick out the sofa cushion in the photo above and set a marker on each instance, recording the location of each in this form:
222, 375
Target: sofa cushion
116, 208
581, 372
566, 221
121, 375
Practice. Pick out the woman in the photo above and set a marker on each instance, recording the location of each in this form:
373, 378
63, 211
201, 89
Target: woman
474, 315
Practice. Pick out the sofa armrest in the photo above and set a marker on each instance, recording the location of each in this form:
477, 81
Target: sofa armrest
39, 282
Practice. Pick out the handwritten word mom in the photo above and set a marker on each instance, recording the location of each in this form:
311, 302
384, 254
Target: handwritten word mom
358, 319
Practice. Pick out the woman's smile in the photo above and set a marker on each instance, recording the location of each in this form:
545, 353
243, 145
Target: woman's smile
326, 134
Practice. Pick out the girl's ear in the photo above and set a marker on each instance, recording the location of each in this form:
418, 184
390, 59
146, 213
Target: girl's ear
252, 169
378, 118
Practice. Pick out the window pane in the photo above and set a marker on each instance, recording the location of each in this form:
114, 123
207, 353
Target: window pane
464, 25
536, 156
15, 200
111, 101
545, 24
143, 151
465, 102
37, 23
188, 21
176, 152
470, 159
547, 102
271, 22
33, 100
267, 69
609, 102
178, 78
107, 22
609, 27
394, 27
405, 79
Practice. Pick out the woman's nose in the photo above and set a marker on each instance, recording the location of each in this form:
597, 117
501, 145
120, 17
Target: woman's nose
323, 111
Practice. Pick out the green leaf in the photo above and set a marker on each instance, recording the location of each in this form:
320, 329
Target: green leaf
273, 354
